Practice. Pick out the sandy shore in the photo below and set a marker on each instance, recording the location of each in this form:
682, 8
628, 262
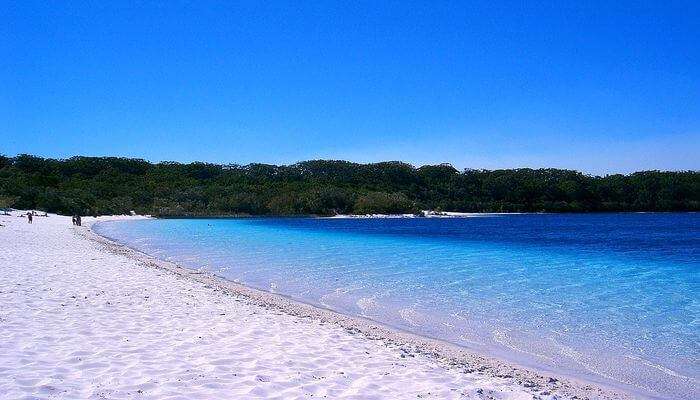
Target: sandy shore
82, 317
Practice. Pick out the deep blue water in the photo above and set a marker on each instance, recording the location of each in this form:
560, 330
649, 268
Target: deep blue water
613, 298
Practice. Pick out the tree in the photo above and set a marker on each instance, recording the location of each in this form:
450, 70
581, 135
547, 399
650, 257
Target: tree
325, 187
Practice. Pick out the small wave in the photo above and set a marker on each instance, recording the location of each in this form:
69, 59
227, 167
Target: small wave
661, 368
502, 338
411, 316
366, 304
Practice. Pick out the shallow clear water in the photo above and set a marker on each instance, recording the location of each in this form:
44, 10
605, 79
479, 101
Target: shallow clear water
613, 298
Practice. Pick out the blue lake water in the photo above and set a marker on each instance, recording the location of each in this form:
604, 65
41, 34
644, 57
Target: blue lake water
612, 298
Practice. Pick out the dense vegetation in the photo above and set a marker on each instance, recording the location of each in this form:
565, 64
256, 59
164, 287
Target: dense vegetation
106, 185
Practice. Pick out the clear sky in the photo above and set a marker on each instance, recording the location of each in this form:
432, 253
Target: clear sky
596, 86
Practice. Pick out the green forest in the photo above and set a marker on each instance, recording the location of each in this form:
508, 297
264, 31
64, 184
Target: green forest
111, 185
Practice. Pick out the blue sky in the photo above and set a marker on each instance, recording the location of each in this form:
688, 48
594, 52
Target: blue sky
598, 87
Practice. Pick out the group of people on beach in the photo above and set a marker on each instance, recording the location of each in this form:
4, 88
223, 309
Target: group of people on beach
77, 220
30, 215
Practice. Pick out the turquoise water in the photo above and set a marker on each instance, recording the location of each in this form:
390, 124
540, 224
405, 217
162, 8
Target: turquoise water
612, 298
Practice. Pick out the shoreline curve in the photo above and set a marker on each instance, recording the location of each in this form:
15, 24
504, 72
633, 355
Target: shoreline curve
450, 354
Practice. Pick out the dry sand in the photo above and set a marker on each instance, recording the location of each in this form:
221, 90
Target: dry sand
82, 317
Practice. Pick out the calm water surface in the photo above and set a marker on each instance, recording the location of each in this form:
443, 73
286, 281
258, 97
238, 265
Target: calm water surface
613, 298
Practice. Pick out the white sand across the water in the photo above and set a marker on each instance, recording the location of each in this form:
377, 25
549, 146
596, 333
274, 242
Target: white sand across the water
79, 321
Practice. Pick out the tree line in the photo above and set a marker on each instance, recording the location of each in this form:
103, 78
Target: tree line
112, 185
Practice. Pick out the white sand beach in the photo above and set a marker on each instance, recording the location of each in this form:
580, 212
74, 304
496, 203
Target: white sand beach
83, 318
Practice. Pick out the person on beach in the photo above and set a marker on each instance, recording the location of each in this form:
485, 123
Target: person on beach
72, 219
29, 217
78, 220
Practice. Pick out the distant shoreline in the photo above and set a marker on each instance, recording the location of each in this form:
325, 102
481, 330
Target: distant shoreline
399, 216
113, 185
